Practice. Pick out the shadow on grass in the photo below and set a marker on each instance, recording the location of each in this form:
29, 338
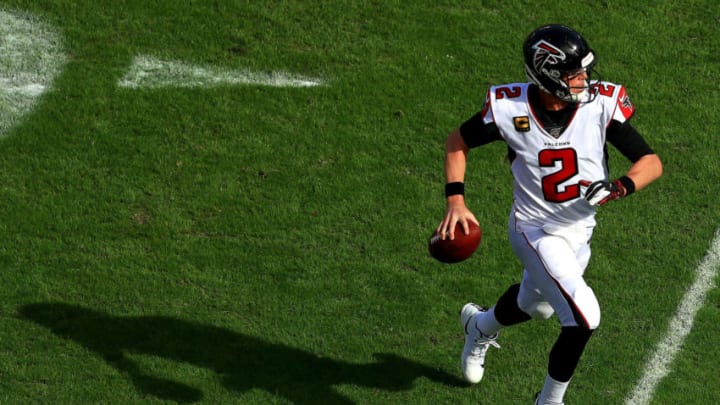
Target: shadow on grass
243, 362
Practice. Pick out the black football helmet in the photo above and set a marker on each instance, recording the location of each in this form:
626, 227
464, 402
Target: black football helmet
554, 52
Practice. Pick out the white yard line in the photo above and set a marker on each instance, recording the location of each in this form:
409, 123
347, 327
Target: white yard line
31, 56
150, 72
680, 325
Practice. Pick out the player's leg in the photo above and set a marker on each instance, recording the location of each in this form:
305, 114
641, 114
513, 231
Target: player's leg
521, 302
555, 270
562, 362
531, 301
481, 328
505, 312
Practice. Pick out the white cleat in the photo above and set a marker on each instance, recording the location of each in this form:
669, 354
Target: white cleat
476, 344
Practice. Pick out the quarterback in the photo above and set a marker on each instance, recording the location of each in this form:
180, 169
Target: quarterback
556, 127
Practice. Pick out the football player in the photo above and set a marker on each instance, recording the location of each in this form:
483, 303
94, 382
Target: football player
556, 127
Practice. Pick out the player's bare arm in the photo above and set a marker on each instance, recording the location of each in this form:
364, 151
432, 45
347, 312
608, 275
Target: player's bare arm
456, 151
646, 170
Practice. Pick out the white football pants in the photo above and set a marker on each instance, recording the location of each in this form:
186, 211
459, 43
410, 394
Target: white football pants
554, 261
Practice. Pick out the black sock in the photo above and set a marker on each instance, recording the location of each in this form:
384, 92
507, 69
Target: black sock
566, 352
507, 311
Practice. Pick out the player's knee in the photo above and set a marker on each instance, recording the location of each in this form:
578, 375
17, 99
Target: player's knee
533, 304
589, 307
538, 310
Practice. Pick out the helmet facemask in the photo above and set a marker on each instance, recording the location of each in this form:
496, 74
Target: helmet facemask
571, 93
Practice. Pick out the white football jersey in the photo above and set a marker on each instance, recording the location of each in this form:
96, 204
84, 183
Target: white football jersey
547, 167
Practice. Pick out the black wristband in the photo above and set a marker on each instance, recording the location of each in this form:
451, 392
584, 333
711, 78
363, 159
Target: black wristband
628, 184
454, 188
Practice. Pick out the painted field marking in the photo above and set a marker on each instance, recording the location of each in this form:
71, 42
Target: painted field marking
31, 57
150, 72
680, 325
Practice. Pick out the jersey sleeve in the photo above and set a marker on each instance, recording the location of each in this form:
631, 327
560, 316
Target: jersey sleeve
486, 112
480, 129
628, 141
624, 108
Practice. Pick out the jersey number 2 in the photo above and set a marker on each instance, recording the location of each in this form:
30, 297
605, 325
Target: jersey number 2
568, 168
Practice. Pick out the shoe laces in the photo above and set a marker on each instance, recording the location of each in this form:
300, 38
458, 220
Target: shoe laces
483, 343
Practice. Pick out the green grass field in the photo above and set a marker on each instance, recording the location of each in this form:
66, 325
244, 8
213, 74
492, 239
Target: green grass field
219, 242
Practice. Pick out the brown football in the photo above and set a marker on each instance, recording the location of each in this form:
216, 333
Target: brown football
458, 249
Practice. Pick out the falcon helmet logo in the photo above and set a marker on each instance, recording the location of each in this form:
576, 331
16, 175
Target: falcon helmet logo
547, 54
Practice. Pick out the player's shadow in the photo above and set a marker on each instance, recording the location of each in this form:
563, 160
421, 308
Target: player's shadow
243, 362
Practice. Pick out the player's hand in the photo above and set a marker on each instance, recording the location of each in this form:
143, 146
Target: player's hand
455, 213
601, 192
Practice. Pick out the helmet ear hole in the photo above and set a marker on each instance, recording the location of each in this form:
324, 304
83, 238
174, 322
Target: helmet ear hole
551, 53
